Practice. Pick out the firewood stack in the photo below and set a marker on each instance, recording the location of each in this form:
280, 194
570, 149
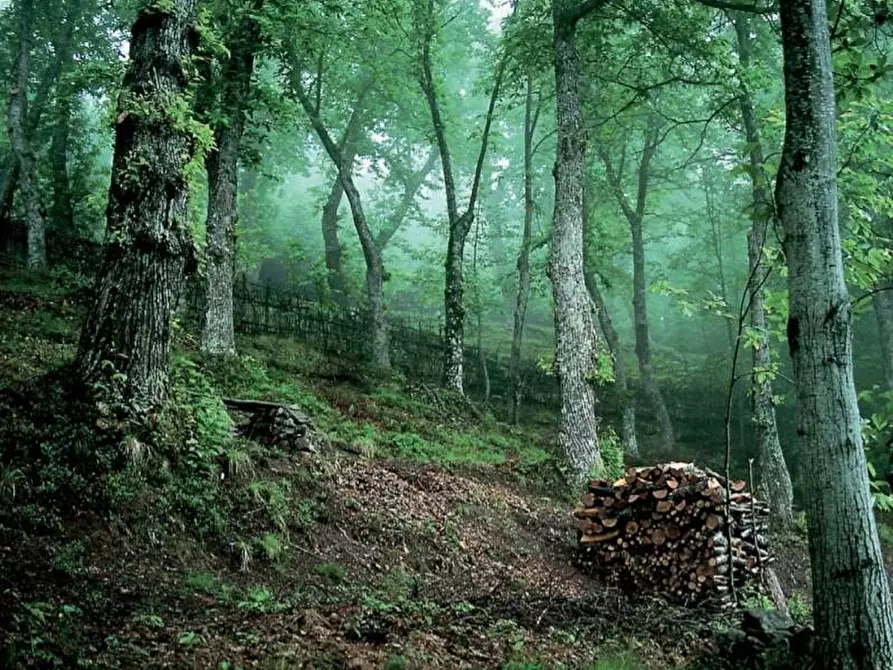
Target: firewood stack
665, 530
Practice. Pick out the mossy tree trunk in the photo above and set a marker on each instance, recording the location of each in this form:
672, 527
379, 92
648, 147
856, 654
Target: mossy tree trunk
575, 353
147, 240
459, 222
222, 166
851, 592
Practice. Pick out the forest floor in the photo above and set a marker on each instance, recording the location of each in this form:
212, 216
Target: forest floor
420, 537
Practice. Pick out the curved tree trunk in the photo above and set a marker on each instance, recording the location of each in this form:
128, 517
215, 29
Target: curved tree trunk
775, 480
334, 270
21, 143
575, 354
222, 165
612, 338
148, 236
460, 224
371, 254
851, 593
347, 147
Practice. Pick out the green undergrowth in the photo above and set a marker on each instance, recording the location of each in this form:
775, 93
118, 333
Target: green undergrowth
382, 414
239, 525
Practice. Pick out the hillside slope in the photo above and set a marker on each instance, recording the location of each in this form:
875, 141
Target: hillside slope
419, 537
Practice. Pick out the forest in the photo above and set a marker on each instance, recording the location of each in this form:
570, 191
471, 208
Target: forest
514, 334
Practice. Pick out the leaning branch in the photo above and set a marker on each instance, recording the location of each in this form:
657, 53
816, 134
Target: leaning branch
728, 5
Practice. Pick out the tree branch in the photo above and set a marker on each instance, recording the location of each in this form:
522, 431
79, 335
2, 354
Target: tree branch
573, 15
737, 6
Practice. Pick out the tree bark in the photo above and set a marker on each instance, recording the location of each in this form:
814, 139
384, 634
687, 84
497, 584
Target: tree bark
460, 224
575, 353
222, 166
635, 217
531, 115
628, 405
371, 253
851, 594
774, 477
21, 144
334, 271
148, 237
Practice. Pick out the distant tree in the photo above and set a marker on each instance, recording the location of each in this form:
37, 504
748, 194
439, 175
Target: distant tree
851, 592
233, 86
63, 46
460, 222
375, 272
634, 212
147, 242
612, 339
531, 117
775, 479
21, 142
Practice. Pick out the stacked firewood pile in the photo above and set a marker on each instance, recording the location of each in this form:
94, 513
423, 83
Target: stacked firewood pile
275, 424
669, 530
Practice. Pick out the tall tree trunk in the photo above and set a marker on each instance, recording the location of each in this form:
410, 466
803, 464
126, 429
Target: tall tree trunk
62, 213
222, 165
775, 480
21, 144
716, 236
635, 217
575, 353
851, 594
371, 254
628, 403
63, 46
460, 224
148, 237
882, 301
612, 338
531, 115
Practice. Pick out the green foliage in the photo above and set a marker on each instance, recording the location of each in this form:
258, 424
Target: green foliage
260, 599
202, 582
272, 546
68, 558
334, 572
800, 609
612, 452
